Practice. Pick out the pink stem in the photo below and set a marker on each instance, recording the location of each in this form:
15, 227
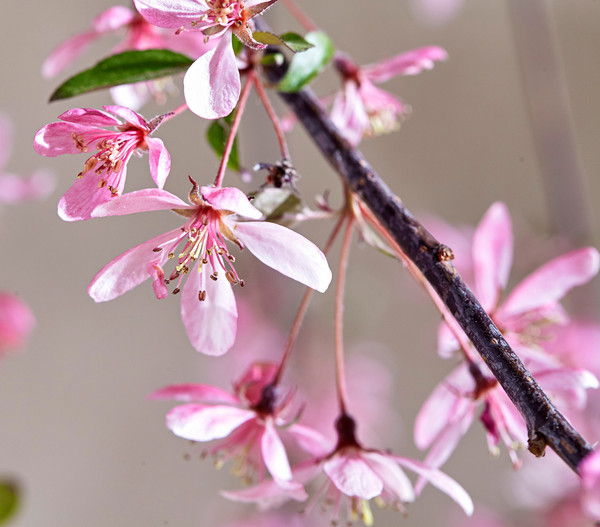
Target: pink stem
234, 127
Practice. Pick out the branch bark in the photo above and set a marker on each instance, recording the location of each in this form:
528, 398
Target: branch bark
546, 426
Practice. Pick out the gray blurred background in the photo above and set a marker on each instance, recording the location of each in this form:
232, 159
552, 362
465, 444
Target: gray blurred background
490, 124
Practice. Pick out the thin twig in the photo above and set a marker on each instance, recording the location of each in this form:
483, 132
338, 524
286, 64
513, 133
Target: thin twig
545, 424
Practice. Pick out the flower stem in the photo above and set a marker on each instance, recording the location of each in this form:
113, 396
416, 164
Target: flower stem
300, 16
260, 90
339, 314
420, 279
301, 313
546, 426
234, 127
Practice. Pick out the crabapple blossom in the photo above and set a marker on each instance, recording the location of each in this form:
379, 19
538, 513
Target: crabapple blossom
212, 84
534, 303
16, 322
14, 188
360, 109
115, 134
214, 215
359, 474
139, 35
246, 423
525, 317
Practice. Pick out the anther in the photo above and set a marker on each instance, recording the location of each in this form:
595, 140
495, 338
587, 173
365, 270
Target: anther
102, 183
157, 249
242, 283
231, 258
171, 256
231, 277
214, 276
202, 296
176, 290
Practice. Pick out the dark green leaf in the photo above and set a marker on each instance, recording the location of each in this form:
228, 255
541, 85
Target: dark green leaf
124, 68
9, 500
305, 66
216, 135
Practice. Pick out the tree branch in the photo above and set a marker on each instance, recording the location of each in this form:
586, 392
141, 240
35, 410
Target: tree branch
545, 424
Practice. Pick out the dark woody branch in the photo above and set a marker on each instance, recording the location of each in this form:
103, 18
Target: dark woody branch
545, 424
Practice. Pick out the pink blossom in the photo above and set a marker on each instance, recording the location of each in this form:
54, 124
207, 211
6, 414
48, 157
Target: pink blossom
534, 303
361, 109
359, 474
13, 188
212, 84
524, 318
139, 35
16, 322
247, 423
208, 306
115, 133
589, 469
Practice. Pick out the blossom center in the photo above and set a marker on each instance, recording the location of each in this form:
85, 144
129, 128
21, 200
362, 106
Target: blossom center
204, 246
113, 152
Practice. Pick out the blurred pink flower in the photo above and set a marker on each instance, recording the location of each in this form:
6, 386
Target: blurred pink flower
16, 322
116, 134
523, 317
139, 35
212, 84
360, 475
362, 110
534, 303
589, 469
13, 188
208, 306
247, 424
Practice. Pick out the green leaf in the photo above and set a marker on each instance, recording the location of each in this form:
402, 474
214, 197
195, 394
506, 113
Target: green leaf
9, 500
295, 42
306, 66
216, 135
292, 41
124, 68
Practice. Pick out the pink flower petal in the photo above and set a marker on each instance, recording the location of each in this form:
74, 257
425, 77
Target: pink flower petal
286, 251
194, 392
211, 324
268, 493
83, 196
171, 13
552, 281
56, 139
205, 423
160, 161
16, 322
310, 440
394, 479
492, 254
349, 115
66, 53
231, 199
114, 18
150, 199
129, 269
274, 455
352, 476
440, 480
89, 117
408, 63
212, 83
445, 405
128, 115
